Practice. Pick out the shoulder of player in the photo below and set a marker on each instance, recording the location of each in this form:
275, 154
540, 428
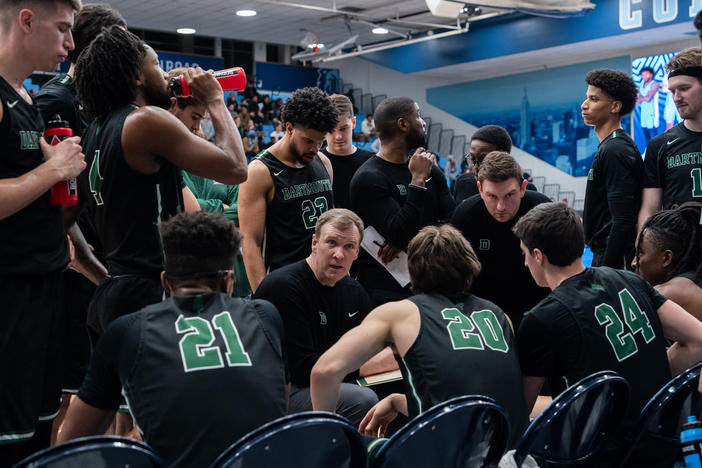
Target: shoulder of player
676, 288
259, 174
369, 172
470, 206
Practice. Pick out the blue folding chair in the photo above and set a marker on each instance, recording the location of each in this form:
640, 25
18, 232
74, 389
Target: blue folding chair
311, 438
663, 416
577, 422
469, 431
95, 452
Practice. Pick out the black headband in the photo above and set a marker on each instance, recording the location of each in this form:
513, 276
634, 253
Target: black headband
688, 71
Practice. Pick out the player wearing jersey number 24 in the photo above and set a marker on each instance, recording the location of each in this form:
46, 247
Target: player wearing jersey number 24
615, 315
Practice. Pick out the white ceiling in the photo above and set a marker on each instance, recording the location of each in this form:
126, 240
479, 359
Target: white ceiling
275, 22
286, 22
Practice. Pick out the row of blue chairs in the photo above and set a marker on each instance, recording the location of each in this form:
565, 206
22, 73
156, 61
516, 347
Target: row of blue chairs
468, 431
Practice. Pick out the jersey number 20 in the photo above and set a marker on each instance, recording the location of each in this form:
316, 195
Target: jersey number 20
623, 341
196, 347
475, 332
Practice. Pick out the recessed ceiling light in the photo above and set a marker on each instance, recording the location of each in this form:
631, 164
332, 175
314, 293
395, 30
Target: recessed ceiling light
246, 13
312, 46
185, 31
379, 31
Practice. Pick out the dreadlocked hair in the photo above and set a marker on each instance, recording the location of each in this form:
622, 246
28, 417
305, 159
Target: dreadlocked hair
107, 71
678, 230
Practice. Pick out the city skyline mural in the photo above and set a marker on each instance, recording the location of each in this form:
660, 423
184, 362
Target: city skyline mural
539, 109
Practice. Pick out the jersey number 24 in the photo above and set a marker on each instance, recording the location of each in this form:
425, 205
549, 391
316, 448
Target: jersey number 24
620, 337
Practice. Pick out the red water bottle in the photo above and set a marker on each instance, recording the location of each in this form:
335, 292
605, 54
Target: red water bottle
65, 192
231, 79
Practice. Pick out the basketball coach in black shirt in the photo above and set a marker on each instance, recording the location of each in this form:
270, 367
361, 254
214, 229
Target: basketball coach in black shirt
486, 220
319, 302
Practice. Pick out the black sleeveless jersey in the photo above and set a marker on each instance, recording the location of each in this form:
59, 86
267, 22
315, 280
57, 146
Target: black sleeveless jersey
616, 327
126, 204
58, 96
301, 196
463, 348
198, 372
33, 239
674, 164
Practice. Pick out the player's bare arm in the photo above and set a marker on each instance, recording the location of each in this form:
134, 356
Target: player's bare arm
254, 196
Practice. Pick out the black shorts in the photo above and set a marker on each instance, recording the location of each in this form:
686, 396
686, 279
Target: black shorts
121, 295
78, 292
32, 342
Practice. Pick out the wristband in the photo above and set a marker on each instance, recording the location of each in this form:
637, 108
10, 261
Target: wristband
418, 186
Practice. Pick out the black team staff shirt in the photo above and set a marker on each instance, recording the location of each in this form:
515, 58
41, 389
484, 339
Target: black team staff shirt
344, 168
503, 277
315, 316
382, 196
612, 201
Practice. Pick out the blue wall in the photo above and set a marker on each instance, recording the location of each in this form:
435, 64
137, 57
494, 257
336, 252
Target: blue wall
540, 109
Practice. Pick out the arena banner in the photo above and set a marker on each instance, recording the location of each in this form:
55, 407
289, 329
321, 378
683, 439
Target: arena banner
171, 60
277, 78
539, 109
516, 33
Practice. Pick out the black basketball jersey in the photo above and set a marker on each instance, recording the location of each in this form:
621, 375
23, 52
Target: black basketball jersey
33, 239
674, 164
344, 168
463, 348
617, 318
301, 195
198, 372
58, 96
126, 204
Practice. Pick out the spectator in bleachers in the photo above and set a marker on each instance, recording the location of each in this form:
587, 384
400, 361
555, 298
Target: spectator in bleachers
345, 158
614, 183
278, 108
223, 388
268, 109
289, 187
486, 220
397, 194
244, 117
429, 331
570, 332
319, 302
368, 127
250, 90
231, 99
451, 171
250, 141
278, 133
669, 255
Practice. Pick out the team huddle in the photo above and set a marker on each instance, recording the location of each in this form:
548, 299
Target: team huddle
207, 320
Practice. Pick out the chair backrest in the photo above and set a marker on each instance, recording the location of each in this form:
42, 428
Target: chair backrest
95, 452
666, 412
576, 423
467, 431
311, 438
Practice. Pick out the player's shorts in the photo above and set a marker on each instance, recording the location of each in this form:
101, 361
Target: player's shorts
121, 295
78, 292
32, 342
